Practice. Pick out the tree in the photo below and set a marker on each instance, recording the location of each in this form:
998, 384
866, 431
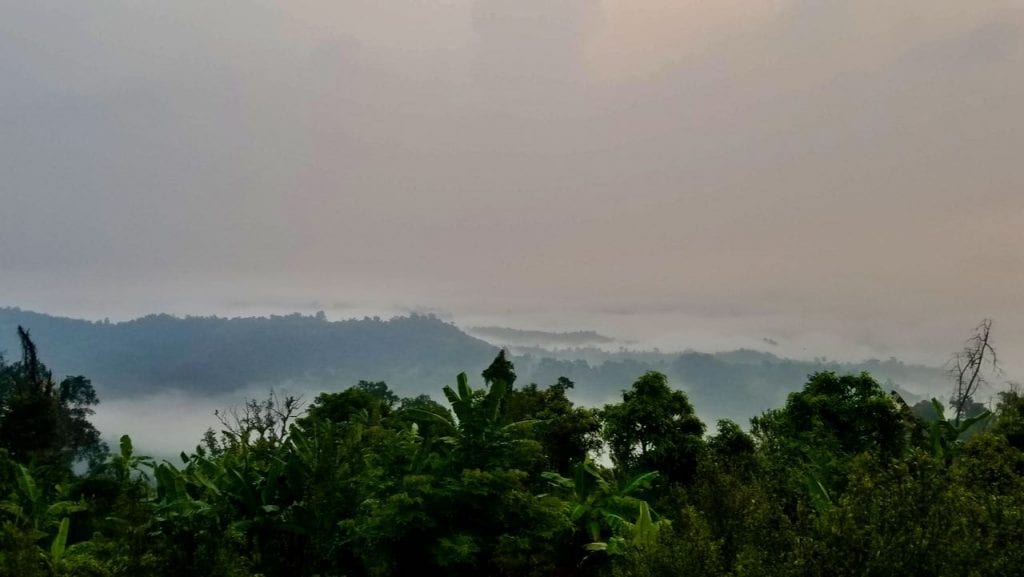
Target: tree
812, 441
432, 419
258, 422
969, 368
373, 401
42, 422
501, 369
847, 413
380, 390
732, 447
1010, 416
654, 428
567, 433
82, 441
478, 433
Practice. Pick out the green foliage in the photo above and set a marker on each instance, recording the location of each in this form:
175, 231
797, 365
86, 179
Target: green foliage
211, 356
354, 403
946, 436
654, 428
43, 422
686, 547
566, 433
1010, 417
843, 480
501, 369
599, 504
478, 435
850, 413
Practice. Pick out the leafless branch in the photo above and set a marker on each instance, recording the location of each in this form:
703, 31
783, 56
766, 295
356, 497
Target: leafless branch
970, 366
266, 420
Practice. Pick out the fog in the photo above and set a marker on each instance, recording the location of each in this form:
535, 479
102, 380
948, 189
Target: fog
841, 178
161, 426
165, 424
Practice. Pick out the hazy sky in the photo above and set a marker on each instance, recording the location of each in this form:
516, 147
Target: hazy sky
842, 177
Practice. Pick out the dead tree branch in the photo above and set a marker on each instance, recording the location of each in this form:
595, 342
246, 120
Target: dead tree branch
970, 366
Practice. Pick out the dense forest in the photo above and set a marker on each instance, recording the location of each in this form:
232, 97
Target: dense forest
843, 478
207, 356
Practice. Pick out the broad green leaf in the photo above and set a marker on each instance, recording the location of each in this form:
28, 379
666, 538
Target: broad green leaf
61, 508
450, 394
820, 498
465, 391
645, 530
60, 542
970, 422
27, 485
639, 482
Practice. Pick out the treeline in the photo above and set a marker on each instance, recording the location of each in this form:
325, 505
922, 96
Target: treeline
732, 384
502, 479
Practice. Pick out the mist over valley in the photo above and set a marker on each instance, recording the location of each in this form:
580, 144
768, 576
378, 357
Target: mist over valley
161, 377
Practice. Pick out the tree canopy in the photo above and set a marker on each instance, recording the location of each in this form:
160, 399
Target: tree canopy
843, 480
44, 422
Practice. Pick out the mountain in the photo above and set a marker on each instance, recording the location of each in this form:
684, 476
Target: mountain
414, 354
211, 355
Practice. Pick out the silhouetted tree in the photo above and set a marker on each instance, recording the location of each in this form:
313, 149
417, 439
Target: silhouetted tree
654, 428
501, 369
566, 432
42, 422
970, 368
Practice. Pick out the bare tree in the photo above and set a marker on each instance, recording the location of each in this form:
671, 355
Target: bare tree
970, 366
263, 421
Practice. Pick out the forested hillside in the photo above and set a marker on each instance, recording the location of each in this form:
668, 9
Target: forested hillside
502, 479
414, 355
214, 355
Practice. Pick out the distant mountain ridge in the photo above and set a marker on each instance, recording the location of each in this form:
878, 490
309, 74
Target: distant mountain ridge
216, 354
518, 337
414, 354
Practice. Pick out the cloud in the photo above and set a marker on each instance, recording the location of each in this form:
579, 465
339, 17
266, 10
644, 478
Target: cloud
830, 163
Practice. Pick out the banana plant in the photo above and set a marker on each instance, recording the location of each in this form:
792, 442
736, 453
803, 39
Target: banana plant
28, 507
474, 410
946, 435
254, 489
475, 429
601, 505
642, 533
29, 510
54, 558
173, 502
126, 465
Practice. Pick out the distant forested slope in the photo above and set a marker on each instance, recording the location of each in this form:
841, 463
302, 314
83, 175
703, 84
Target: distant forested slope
732, 384
415, 354
214, 355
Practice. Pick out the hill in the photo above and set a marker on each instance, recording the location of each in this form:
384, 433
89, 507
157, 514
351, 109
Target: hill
212, 355
414, 354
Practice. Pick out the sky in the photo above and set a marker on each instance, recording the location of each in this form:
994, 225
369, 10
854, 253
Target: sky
843, 178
